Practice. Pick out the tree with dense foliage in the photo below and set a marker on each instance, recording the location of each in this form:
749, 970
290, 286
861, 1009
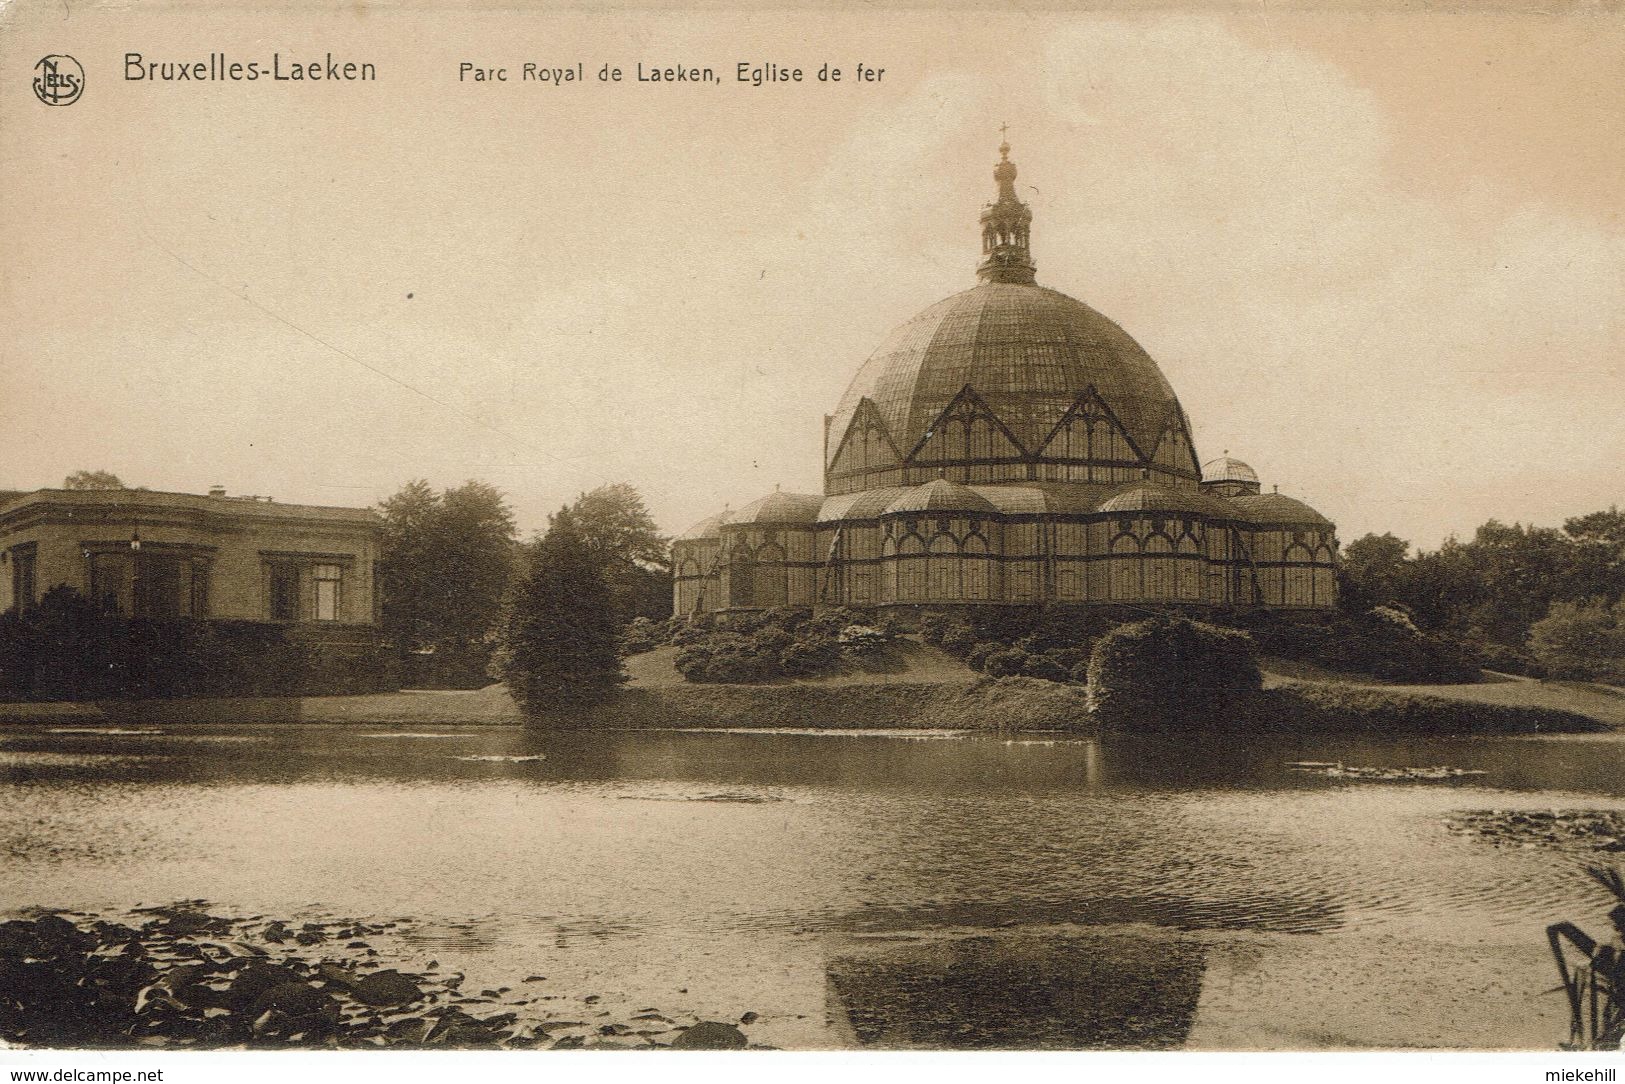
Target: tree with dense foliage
447, 563
1583, 640
635, 558
1495, 587
1372, 571
92, 479
1603, 528
560, 638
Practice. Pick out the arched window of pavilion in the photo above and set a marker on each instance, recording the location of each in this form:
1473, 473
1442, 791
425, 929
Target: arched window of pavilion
944, 568
1190, 571
888, 570
911, 569
1300, 576
741, 580
772, 587
976, 567
1123, 577
1159, 567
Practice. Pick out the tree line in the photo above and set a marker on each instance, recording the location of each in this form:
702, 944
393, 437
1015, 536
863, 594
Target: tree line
466, 601
1523, 595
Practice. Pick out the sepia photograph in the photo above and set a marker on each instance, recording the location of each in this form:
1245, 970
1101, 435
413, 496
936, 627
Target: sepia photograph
718, 526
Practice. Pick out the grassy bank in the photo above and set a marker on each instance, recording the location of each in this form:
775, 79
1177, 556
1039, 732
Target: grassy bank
1354, 709
932, 691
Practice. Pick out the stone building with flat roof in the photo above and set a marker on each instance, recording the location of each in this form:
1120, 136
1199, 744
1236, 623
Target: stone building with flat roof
150, 554
1011, 446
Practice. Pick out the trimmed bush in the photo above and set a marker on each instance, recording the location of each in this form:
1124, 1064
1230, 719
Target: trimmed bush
815, 653
976, 658
1170, 672
642, 634
749, 649
958, 640
65, 648
1005, 663
1044, 667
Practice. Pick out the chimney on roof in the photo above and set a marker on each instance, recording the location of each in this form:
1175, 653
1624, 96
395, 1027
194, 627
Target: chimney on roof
217, 491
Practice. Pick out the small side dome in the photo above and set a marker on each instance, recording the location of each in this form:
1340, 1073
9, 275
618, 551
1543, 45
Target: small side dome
709, 527
1226, 469
942, 495
1153, 497
866, 504
779, 507
1278, 510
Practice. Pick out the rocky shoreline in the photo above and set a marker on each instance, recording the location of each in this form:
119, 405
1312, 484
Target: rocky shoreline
181, 977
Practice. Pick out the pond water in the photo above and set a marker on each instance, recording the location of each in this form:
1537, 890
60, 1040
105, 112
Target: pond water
893, 889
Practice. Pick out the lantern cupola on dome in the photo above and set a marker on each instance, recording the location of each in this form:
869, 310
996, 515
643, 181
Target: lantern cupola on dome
1229, 477
1006, 230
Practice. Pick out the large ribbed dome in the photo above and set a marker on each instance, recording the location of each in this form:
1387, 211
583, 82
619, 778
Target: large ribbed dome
1007, 382
1011, 446
1026, 351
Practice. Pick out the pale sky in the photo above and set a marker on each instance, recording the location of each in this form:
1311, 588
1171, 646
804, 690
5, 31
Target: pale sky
1381, 258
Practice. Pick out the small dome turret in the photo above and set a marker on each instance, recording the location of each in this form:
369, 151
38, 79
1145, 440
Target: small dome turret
1228, 477
1227, 469
1152, 497
942, 496
779, 507
1277, 510
709, 527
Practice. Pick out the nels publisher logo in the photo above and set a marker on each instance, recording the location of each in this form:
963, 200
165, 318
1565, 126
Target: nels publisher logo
58, 80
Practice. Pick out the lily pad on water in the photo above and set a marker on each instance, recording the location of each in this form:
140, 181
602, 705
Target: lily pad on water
1563, 829
1368, 773
495, 758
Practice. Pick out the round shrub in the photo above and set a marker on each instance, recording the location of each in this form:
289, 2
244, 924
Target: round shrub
1171, 672
1045, 667
976, 658
693, 629
814, 653
934, 626
642, 635
958, 640
863, 639
1005, 663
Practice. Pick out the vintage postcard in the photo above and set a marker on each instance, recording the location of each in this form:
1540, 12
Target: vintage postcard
743, 527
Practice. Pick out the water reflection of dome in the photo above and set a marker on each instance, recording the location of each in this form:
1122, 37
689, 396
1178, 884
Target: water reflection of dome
1010, 444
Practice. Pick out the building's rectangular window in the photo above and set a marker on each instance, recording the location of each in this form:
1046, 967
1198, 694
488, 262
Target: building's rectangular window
112, 581
158, 586
284, 597
328, 581
200, 589
22, 577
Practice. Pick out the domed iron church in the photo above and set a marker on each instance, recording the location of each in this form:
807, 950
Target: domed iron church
1010, 445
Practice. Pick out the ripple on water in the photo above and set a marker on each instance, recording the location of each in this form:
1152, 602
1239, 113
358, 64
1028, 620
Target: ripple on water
26, 758
101, 731
502, 758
